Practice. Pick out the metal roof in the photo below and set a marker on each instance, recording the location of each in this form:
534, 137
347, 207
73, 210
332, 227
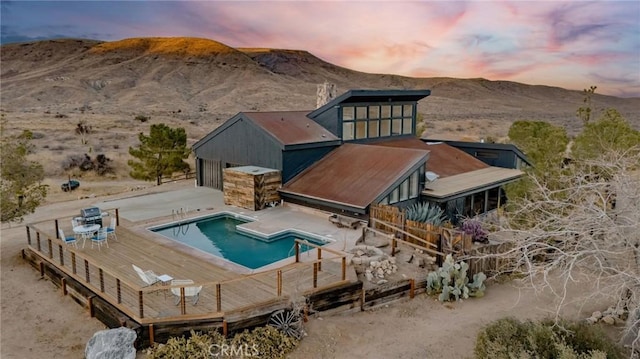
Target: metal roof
355, 175
444, 160
486, 145
356, 96
469, 182
291, 127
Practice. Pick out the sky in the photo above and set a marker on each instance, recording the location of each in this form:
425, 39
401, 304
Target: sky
570, 44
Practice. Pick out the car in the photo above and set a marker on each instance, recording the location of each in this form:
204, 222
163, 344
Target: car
70, 185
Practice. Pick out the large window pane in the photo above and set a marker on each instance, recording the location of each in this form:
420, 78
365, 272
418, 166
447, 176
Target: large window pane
393, 198
385, 128
408, 111
374, 112
396, 128
347, 113
414, 189
347, 131
397, 111
361, 129
406, 126
386, 111
373, 128
404, 190
361, 113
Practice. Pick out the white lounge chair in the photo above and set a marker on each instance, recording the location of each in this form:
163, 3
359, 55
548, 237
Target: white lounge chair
149, 277
193, 291
67, 240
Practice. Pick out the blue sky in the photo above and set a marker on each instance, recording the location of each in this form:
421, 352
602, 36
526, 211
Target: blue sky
571, 44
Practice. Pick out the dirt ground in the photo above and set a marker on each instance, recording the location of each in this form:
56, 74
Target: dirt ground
37, 321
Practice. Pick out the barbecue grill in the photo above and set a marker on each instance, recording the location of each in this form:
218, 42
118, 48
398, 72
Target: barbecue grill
91, 215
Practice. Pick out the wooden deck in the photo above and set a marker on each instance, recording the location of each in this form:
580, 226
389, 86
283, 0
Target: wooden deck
109, 274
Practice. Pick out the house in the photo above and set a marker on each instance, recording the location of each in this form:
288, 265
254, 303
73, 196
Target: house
358, 149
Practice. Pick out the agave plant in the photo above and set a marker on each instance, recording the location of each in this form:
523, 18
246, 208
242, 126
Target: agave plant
426, 213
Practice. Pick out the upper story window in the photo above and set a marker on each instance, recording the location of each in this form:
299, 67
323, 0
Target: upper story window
373, 121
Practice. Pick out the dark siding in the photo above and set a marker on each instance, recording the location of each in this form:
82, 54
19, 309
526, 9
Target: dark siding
330, 120
242, 143
492, 157
295, 161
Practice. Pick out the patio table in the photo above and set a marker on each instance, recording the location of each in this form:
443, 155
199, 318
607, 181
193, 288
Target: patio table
86, 231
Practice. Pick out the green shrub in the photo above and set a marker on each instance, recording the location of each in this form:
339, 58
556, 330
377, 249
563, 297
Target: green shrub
142, 118
509, 338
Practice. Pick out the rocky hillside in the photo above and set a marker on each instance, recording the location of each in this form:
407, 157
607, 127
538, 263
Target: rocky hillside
203, 78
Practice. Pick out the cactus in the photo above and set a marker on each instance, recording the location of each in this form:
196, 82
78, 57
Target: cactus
426, 213
451, 280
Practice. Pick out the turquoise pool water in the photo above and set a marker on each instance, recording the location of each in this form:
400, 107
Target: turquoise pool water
219, 236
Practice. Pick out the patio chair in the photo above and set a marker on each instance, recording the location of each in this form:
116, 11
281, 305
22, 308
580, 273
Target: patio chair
149, 277
111, 230
193, 291
100, 238
67, 240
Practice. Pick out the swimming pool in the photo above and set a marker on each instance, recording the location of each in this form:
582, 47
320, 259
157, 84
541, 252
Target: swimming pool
219, 236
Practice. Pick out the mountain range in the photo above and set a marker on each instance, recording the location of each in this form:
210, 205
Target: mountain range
192, 77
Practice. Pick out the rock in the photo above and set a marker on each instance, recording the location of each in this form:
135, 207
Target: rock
369, 275
380, 273
356, 260
374, 264
382, 281
597, 315
609, 319
591, 320
111, 344
392, 260
359, 253
419, 262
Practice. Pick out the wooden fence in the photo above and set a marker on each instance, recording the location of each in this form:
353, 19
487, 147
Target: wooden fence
393, 220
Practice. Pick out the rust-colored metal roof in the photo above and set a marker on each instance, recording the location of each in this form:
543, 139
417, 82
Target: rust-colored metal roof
444, 160
355, 175
291, 127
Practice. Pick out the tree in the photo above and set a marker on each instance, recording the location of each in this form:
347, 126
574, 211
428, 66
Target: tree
588, 225
585, 112
22, 190
160, 154
83, 130
610, 133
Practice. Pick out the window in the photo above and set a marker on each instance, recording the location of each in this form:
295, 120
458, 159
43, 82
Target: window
407, 126
385, 200
347, 130
361, 129
347, 114
404, 190
373, 121
374, 131
414, 188
393, 197
486, 154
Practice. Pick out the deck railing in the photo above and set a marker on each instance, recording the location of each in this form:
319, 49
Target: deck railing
148, 304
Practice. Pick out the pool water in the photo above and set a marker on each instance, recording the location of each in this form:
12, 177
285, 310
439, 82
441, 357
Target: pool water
219, 236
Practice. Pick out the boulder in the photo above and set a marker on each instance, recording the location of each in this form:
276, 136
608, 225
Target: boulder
597, 315
111, 344
609, 319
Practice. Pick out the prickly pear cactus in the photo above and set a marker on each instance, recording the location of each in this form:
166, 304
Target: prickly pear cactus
451, 282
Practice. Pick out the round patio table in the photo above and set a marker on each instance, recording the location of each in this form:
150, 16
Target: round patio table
86, 231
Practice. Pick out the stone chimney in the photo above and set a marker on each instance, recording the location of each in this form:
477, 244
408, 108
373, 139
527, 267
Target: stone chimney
326, 93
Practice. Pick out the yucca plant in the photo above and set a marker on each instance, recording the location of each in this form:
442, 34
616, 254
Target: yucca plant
426, 213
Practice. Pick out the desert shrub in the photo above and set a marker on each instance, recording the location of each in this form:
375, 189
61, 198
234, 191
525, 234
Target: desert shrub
101, 164
510, 338
263, 342
142, 118
60, 115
